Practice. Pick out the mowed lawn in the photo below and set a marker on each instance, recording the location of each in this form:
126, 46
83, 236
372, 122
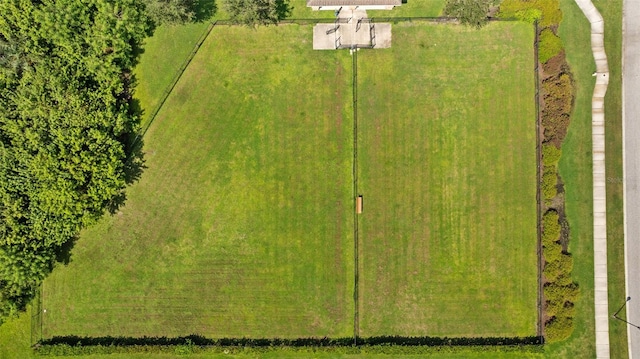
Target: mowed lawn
447, 167
242, 223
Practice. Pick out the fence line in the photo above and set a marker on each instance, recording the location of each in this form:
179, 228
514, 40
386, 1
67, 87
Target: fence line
540, 324
356, 300
173, 83
36, 317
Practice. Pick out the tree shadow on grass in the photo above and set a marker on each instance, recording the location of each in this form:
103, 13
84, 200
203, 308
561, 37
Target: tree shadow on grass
64, 251
134, 166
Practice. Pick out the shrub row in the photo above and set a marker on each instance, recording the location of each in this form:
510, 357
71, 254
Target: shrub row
284, 342
198, 344
560, 293
556, 105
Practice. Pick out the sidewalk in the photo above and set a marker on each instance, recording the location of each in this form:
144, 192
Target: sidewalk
631, 158
599, 178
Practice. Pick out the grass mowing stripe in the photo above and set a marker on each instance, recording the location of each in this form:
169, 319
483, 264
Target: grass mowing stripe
450, 225
240, 224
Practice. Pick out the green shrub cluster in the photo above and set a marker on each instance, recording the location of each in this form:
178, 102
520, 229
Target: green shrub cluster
560, 293
547, 12
550, 154
549, 45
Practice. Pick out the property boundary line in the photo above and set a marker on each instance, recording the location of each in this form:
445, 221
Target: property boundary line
539, 323
36, 318
279, 343
356, 239
173, 83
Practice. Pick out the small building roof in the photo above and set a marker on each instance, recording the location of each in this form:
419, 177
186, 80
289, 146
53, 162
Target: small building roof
353, 2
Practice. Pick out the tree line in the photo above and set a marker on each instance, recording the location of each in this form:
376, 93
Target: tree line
66, 118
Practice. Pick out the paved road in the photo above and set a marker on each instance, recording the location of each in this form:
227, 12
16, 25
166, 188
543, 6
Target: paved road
631, 178
601, 301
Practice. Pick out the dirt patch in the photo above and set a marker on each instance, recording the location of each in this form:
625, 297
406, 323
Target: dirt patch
555, 65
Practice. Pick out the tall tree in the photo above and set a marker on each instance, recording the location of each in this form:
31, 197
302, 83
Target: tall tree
170, 11
257, 12
65, 121
469, 12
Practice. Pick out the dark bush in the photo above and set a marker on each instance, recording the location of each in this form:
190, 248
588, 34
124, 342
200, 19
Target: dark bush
389, 345
557, 95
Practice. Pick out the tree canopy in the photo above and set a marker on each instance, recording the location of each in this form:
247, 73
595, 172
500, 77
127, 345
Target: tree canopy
469, 12
66, 122
257, 12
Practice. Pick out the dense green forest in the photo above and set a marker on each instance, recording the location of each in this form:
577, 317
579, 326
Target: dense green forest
67, 121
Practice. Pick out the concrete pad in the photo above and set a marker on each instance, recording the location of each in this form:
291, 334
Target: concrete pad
322, 40
352, 35
352, 30
383, 36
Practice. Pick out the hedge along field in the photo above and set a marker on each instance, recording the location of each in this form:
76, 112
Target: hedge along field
447, 167
242, 223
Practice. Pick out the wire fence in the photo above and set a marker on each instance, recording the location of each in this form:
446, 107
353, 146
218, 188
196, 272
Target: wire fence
174, 81
36, 318
540, 323
37, 314
356, 315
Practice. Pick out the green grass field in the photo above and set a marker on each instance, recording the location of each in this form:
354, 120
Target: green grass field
448, 171
242, 224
